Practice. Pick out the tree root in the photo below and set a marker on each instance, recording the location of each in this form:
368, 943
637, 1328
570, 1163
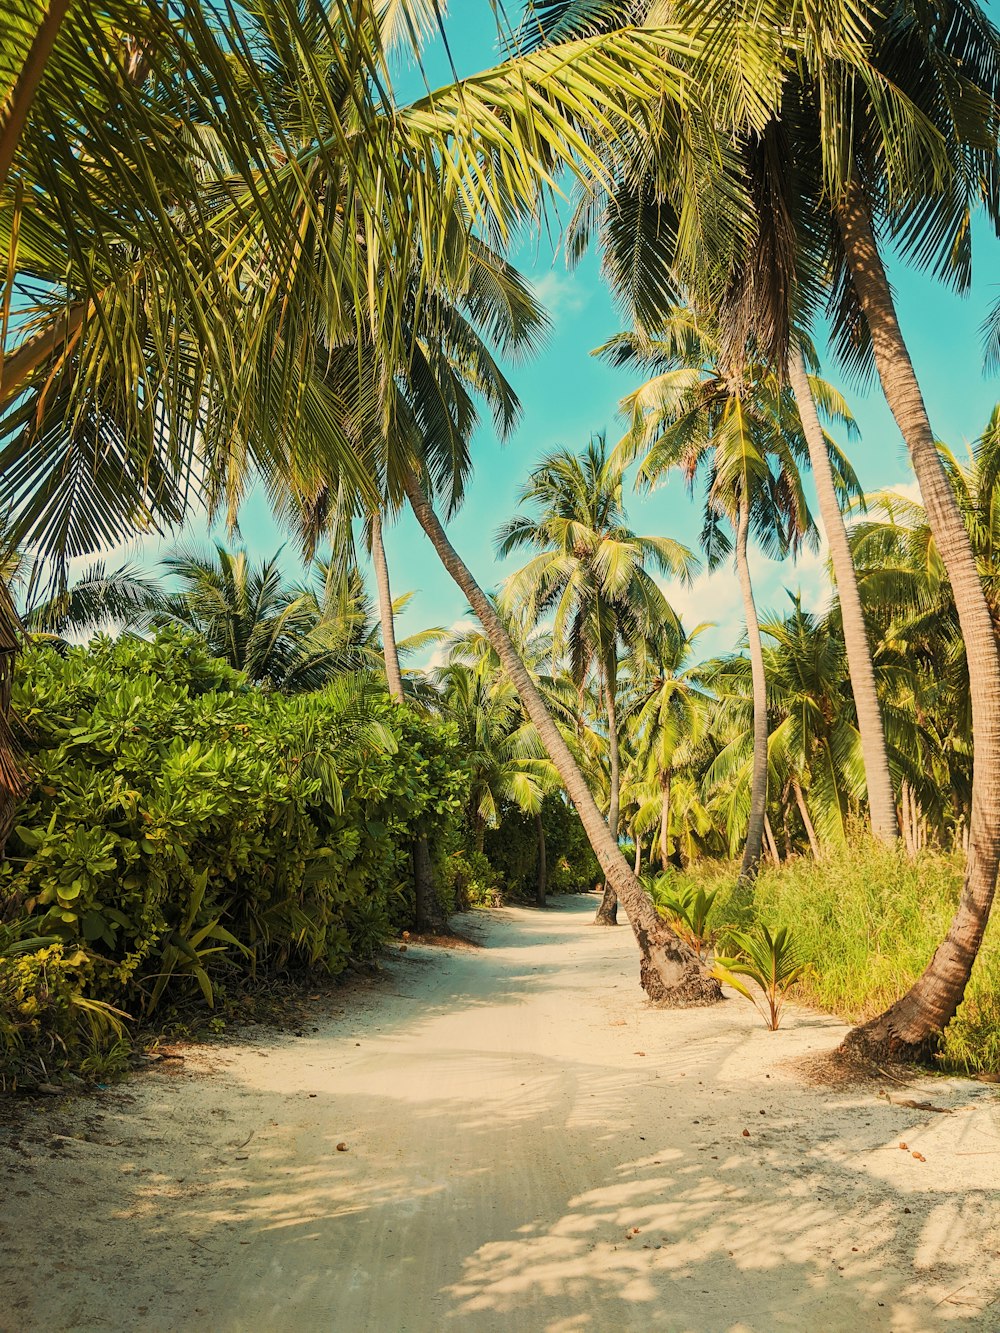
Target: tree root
883, 1040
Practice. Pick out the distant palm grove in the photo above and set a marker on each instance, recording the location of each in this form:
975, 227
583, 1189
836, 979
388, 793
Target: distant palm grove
236, 259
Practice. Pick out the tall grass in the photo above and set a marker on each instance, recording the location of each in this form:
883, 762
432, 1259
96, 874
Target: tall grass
869, 920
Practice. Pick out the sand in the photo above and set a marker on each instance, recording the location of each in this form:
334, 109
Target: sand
529, 1146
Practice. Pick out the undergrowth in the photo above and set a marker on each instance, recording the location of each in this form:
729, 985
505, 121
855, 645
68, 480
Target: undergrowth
869, 920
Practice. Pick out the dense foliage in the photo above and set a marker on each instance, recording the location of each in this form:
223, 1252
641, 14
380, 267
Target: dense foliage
184, 831
866, 945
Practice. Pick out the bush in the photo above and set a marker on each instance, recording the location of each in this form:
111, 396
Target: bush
186, 833
870, 919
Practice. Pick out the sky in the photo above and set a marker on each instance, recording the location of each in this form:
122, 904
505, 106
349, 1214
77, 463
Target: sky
567, 395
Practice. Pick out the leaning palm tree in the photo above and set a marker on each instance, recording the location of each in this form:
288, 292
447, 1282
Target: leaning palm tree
905, 147
594, 575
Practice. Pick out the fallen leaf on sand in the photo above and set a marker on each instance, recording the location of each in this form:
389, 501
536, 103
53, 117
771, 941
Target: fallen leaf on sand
920, 1157
342, 1147
904, 1147
640, 1052
746, 1133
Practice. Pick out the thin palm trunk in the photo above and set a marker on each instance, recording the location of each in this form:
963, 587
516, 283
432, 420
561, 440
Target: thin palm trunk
426, 906
607, 912
670, 972
541, 874
772, 846
392, 672
810, 828
914, 1023
758, 781
638, 853
665, 818
881, 799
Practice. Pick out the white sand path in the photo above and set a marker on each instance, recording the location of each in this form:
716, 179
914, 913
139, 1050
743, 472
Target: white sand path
512, 1114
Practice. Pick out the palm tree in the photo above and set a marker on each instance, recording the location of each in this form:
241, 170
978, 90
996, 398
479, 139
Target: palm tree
741, 427
506, 761
814, 748
593, 574
669, 711
451, 157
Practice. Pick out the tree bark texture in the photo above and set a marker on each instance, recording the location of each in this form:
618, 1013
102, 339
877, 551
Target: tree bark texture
881, 799
758, 780
670, 972
912, 1026
389, 651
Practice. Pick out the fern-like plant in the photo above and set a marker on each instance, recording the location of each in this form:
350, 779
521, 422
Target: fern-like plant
770, 961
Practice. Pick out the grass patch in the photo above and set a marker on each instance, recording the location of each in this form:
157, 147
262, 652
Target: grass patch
869, 919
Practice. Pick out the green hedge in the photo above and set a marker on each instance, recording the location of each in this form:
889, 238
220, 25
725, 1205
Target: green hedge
184, 830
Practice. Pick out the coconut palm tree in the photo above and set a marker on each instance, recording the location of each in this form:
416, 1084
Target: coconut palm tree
507, 763
595, 577
814, 745
669, 712
740, 427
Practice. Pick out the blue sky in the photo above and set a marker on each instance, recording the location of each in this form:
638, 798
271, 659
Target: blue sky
567, 395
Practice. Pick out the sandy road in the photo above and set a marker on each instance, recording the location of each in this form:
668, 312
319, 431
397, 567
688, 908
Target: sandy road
512, 1114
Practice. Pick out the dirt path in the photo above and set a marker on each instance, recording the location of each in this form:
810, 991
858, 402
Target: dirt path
512, 1114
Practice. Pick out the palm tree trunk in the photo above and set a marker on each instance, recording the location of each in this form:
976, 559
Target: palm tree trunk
638, 853
807, 823
541, 870
772, 846
427, 914
758, 781
15, 111
392, 672
607, 912
665, 819
881, 799
669, 971
913, 1025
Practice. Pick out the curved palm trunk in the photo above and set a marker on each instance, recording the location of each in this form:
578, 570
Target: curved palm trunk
638, 853
758, 781
881, 799
541, 875
607, 912
913, 1025
669, 971
389, 651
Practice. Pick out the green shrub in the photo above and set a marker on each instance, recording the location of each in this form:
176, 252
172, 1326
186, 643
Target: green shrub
185, 832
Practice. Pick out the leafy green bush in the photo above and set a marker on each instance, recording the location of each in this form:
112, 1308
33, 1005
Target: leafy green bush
870, 919
185, 832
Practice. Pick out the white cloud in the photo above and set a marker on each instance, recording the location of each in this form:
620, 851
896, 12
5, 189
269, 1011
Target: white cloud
562, 294
716, 598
